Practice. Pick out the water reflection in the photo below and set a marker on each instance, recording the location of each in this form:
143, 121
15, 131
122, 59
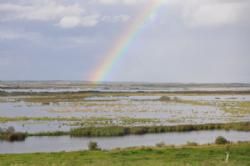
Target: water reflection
67, 143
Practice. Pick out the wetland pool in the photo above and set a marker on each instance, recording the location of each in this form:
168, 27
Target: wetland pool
67, 143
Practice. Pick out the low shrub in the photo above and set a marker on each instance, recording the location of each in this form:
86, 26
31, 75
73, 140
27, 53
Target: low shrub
93, 146
18, 136
221, 140
192, 144
9, 134
165, 98
160, 144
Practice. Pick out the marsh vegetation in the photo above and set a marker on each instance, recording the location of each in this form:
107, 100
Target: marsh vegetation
9, 134
121, 109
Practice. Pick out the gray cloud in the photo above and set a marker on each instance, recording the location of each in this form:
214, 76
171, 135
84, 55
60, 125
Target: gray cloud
191, 41
62, 14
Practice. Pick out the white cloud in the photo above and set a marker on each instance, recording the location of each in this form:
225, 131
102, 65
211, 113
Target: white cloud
132, 2
118, 18
108, 2
41, 11
209, 12
215, 14
194, 13
66, 16
90, 20
112, 2
69, 22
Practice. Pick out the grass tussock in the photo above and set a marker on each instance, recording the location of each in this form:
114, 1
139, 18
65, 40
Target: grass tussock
54, 133
17, 136
221, 140
9, 134
99, 131
93, 146
138, 130
192, 143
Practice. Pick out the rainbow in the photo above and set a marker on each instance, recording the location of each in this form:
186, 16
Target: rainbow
122, 44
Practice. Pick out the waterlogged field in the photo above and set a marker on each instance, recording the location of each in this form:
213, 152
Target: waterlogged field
33, 116
63, 110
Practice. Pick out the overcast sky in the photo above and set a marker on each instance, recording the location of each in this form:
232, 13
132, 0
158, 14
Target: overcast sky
183, 41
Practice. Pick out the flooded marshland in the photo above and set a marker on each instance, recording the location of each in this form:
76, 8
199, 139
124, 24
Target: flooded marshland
51, 107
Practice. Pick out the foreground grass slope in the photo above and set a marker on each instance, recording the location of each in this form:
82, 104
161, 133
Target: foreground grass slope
200, 155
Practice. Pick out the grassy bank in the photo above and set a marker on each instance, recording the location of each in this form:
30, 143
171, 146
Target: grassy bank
110, 131
138, 130
150, 156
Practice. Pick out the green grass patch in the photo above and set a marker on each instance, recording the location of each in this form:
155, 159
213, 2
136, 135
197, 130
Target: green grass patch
11, 119
91, 121
137, 130
147, 156
178, 100
238, 107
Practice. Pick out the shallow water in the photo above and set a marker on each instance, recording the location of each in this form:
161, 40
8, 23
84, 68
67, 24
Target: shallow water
142, 109
167, 113
43, 90
39, 126
114, 107
121, 88
216, 97
123, 98
67, 143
